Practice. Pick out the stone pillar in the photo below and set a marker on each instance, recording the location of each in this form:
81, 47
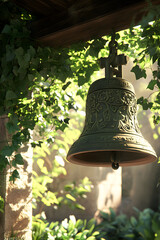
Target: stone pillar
17, 217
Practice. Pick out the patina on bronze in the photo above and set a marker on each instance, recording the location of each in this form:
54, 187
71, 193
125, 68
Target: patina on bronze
111, 135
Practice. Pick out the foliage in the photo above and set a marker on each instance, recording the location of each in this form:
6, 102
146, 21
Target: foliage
1, 204
49, 162
47, 197
142, 44
67, 229
34, 80
146, 226
33, 84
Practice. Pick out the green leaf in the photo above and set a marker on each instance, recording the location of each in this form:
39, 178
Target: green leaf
133, 221
81, 80
3, 162
151, 84
19, 52
12, 126
66, 85
130, 236
91, 238
66, 120
7, 151
140, 100
145, 103
36, 144
14, 163
69, 196
1, 204
32, 51
79, 206
112, 214
158, 84
104, 215
6, 29
156, 119
139, 72
10, 95
19, 159
14, 176
156, 222
68, 187
31, 77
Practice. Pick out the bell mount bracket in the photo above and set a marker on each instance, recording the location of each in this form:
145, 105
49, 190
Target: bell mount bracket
113, 63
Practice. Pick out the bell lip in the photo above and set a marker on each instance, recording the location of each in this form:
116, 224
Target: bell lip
153, 158
112, 83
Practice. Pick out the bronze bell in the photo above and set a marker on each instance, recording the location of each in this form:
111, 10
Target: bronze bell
111, 135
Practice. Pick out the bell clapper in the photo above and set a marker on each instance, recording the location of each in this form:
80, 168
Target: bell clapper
115, 164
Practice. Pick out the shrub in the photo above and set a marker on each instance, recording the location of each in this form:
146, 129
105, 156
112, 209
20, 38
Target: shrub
66, 230
146, 226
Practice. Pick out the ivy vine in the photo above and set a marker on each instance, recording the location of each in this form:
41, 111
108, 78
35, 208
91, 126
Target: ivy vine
34, 79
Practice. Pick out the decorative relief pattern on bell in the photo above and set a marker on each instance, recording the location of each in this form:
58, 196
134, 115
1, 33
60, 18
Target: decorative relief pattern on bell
111, 110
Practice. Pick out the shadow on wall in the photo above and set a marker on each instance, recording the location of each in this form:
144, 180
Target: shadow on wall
106, 191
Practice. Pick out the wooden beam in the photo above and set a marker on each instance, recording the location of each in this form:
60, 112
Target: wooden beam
93, 28
40, 8
60, 3
76, 14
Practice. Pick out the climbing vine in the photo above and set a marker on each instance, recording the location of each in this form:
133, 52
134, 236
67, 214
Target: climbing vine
34, 79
